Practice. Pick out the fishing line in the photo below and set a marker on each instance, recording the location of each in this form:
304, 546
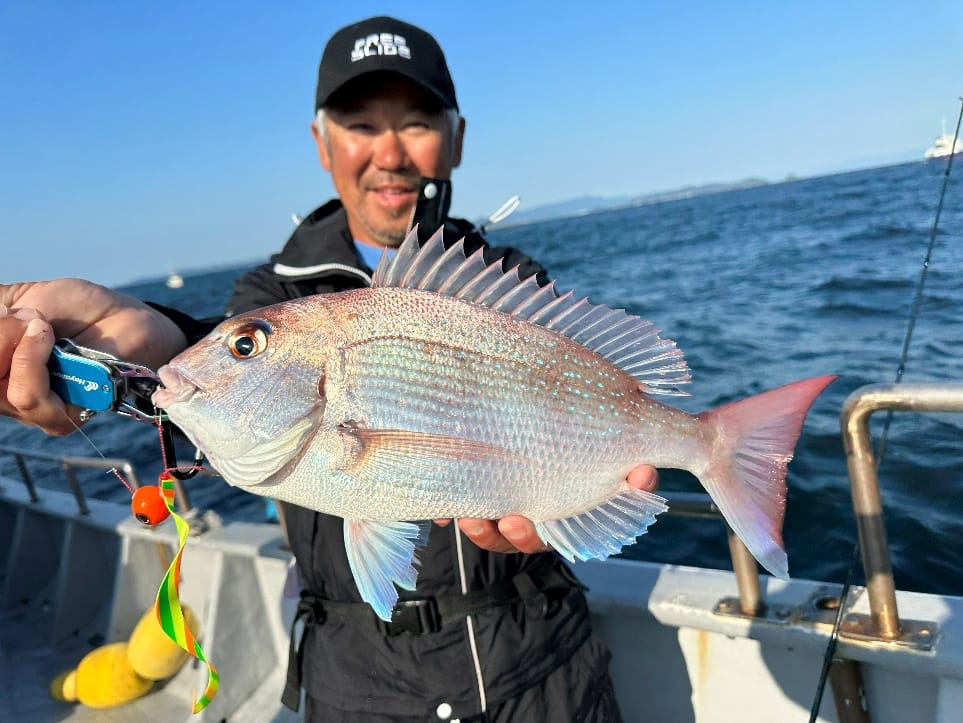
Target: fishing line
887, 421
116, 472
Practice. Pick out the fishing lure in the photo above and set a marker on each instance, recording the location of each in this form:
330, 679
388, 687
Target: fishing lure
149, 506
167, 606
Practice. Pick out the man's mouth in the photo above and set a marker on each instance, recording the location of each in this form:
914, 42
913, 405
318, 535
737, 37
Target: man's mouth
394, 196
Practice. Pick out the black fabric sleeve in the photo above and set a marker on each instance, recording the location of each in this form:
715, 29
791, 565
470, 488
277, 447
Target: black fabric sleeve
257, 288
527, 266
510, 256
194, 329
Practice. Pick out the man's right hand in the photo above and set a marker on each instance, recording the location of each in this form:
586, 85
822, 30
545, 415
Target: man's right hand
34, 315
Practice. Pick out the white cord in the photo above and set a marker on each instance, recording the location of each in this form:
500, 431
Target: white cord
471, 627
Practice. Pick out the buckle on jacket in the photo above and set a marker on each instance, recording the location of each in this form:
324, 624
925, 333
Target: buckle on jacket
417, 617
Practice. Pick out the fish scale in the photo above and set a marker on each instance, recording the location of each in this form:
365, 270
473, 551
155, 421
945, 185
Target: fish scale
388, 379
387, 390
453, 388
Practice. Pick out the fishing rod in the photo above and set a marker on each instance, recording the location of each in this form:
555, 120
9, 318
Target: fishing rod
884, 436
501, 213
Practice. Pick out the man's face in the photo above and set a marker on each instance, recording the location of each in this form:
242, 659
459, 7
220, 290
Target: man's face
382, 138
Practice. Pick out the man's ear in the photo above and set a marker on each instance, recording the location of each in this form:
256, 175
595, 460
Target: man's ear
459, 140
323, 154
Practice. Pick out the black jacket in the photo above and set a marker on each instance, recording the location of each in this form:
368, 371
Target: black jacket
351, 664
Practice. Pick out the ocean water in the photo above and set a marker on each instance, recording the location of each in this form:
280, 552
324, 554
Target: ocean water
759, 287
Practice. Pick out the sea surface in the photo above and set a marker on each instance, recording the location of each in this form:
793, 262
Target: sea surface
759, 287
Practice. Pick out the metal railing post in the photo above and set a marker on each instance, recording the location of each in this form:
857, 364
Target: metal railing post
27, 479
75, 487
689, 504
867, 502
747, 576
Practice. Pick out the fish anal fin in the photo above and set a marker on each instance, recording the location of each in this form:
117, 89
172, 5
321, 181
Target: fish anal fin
604, 530
382, 555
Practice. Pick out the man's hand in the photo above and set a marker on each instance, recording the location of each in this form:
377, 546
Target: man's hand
517, 534
34, 315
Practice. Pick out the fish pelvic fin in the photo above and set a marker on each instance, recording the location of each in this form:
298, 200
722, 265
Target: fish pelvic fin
603, 530
382, 555
746, 472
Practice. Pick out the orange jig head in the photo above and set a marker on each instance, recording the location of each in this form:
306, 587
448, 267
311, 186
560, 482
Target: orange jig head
149, 506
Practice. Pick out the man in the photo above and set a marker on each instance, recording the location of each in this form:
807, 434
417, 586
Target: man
486, 635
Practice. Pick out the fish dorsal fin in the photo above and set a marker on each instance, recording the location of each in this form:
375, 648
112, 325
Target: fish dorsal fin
627, 341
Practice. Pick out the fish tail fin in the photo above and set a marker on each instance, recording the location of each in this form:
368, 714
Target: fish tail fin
746, 471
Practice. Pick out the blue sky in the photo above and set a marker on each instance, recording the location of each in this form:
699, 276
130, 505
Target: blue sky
139, 138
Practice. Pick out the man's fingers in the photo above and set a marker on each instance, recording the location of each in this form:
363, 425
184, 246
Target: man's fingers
29, 380
644, 478
10, 332
28, 384
485, 534
13, 323
520, 532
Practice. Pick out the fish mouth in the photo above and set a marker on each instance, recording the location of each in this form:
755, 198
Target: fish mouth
176, 387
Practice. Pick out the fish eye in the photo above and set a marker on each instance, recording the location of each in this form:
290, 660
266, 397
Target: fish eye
248, 341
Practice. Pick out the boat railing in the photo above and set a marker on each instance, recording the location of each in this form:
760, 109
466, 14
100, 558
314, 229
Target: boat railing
698, 504
883, 622
70, 464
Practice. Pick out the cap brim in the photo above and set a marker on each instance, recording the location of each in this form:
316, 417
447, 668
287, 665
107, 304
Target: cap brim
339, 83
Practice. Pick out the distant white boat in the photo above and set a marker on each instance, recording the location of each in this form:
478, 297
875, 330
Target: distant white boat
175, 281
943, 146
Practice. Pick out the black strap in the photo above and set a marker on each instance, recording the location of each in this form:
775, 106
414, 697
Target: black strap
423, 616
310, 613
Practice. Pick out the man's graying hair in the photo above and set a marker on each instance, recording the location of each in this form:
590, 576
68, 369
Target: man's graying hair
451, 120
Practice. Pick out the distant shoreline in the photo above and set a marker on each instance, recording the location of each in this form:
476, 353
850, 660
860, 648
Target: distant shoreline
585, 205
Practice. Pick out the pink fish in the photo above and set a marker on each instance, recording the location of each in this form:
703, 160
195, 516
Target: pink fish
452, 388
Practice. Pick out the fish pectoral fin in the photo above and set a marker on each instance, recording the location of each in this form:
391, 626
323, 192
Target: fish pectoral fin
398, 446
382, 555
603, 530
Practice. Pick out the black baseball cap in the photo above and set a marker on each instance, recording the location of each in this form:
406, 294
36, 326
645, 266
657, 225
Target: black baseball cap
384, 44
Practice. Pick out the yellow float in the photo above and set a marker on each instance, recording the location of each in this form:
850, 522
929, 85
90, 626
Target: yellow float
118, 673
151, 653
105, 678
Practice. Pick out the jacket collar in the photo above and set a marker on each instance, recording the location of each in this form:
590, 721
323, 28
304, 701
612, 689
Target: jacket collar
321, 245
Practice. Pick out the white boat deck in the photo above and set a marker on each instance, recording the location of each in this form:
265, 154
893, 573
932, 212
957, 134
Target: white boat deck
69, 582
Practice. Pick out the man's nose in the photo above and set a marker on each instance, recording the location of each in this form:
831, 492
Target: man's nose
389, 152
